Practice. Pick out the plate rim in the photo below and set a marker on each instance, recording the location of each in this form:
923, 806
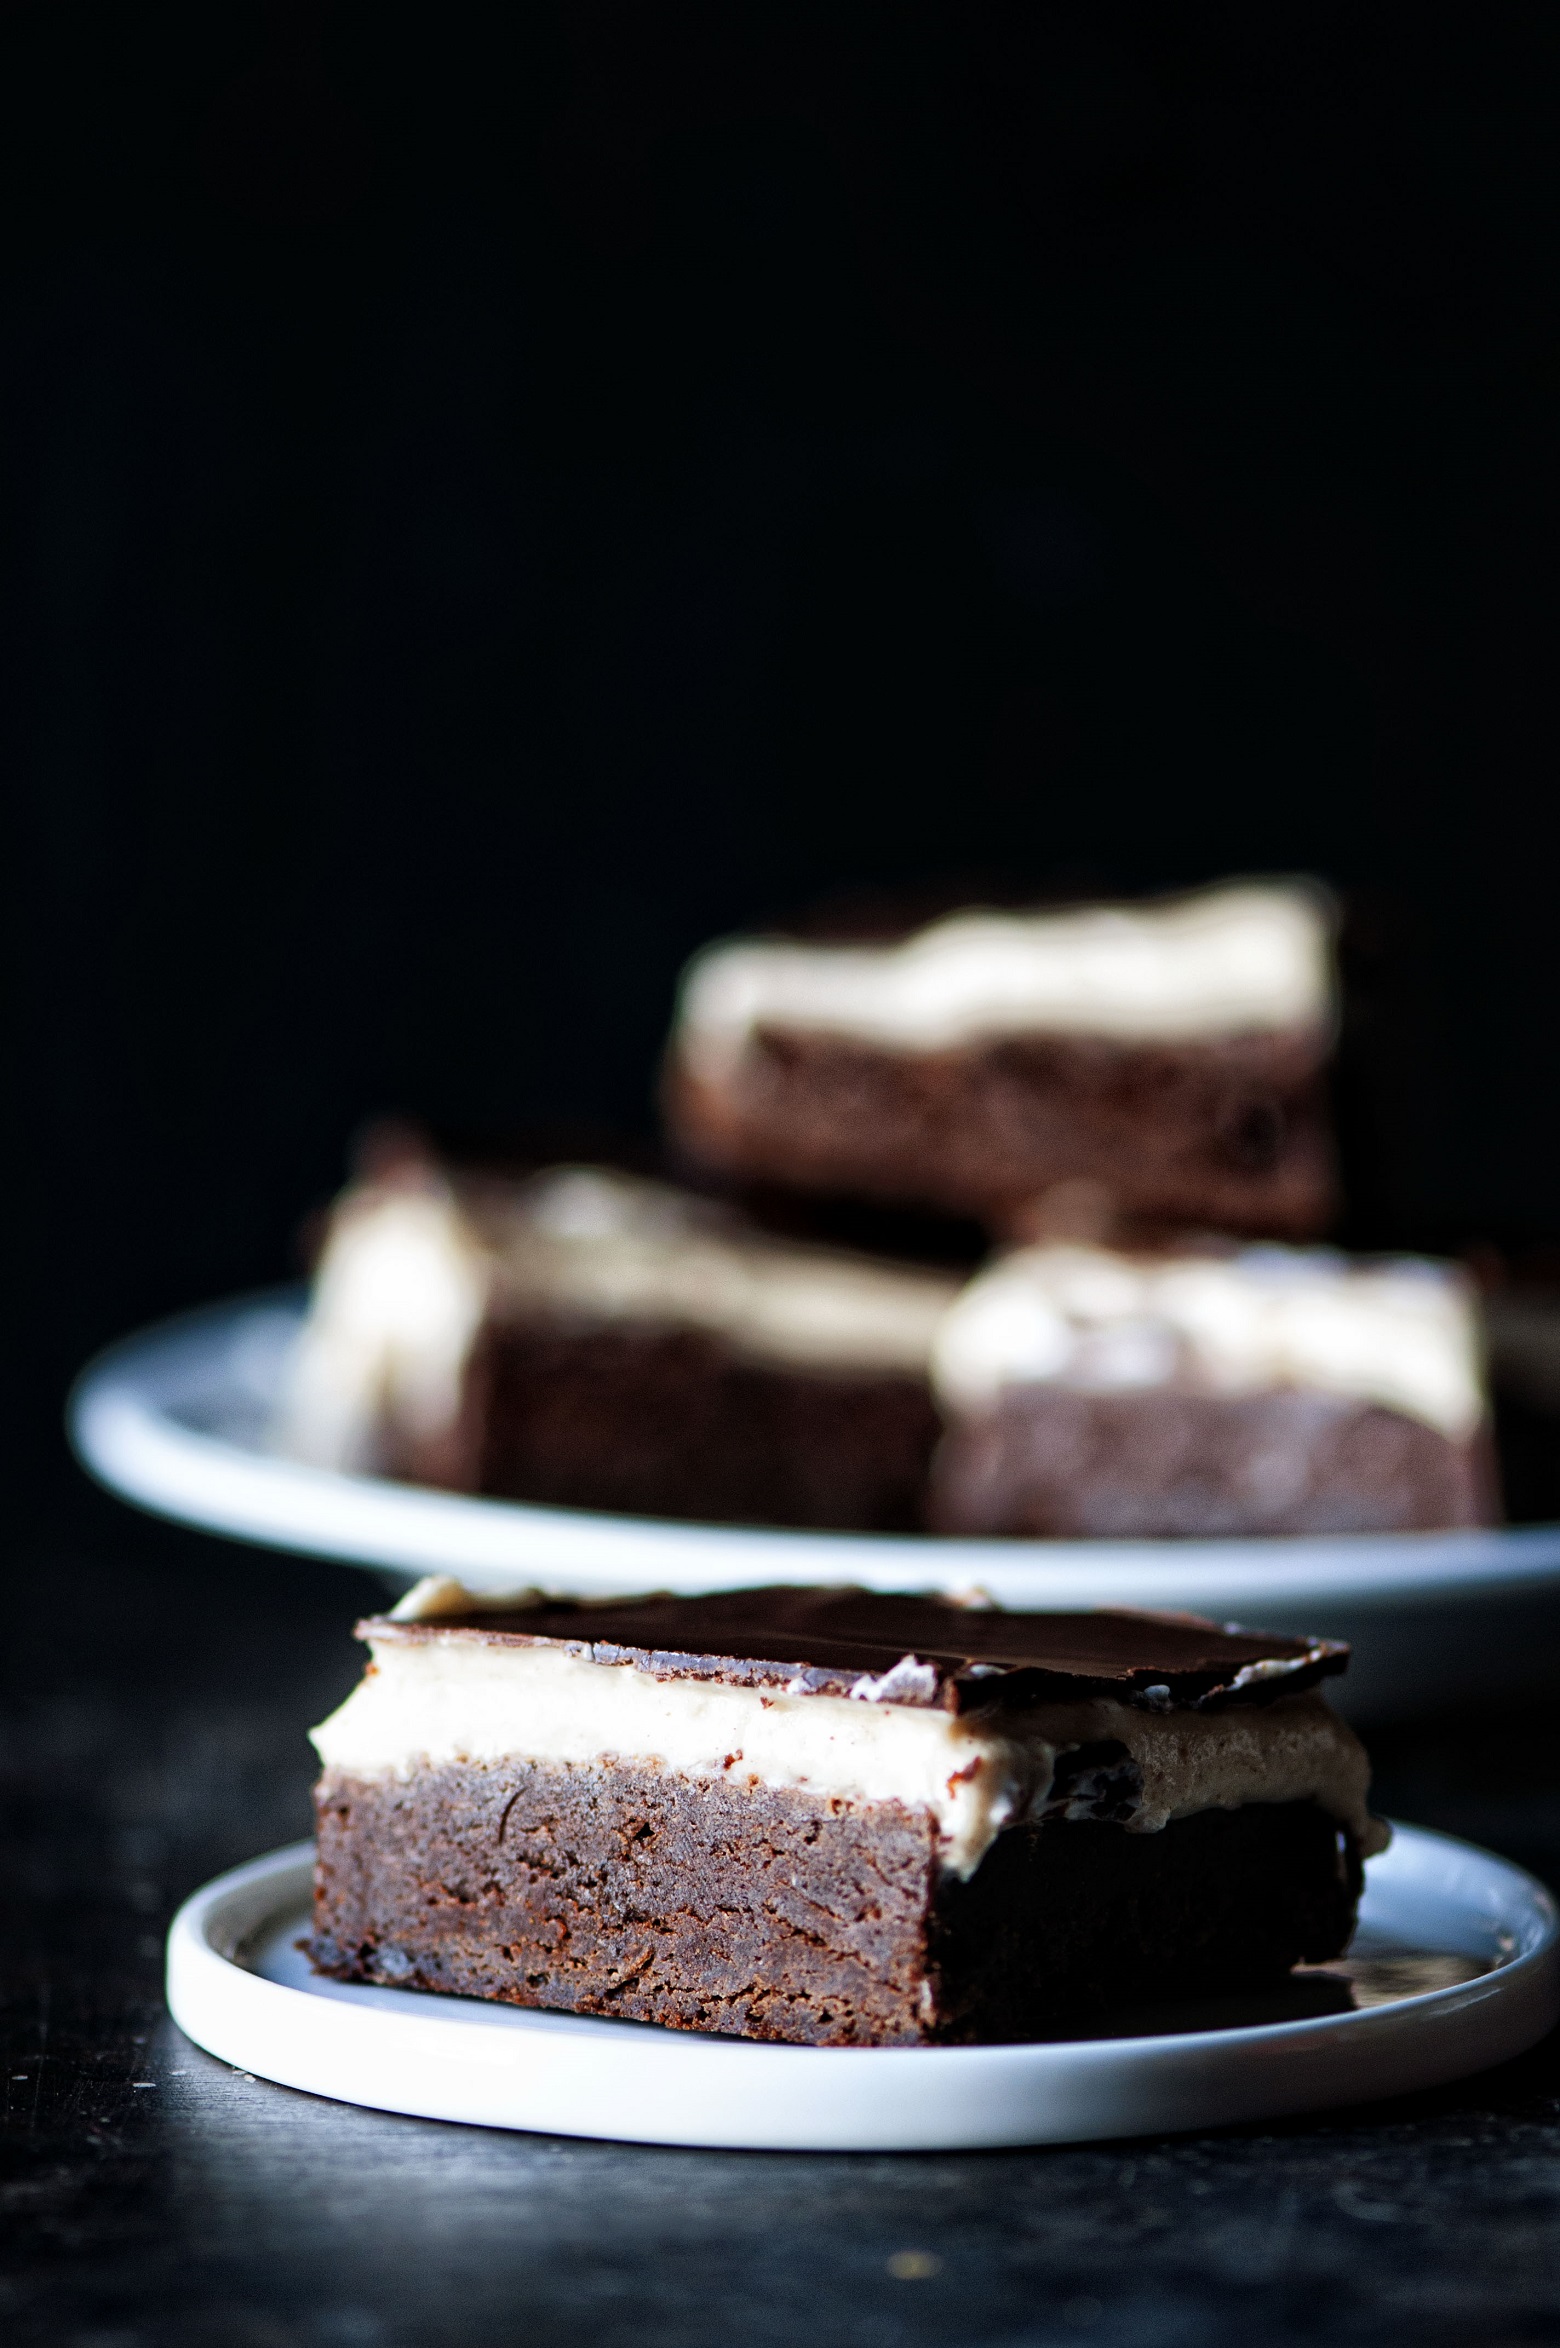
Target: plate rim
1505, 2011
130, 1442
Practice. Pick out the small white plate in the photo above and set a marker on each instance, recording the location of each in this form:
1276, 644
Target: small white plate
178, 1419
1434, 1911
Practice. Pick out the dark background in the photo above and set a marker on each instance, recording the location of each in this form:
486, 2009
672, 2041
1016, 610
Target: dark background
494, 496
491, 497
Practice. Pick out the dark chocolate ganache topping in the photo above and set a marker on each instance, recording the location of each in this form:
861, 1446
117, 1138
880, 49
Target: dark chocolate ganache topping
905, 1650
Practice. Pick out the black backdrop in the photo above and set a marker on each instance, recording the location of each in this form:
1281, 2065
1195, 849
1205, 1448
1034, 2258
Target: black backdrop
493, 496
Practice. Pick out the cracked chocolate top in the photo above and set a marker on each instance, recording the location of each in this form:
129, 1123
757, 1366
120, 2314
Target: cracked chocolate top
900, 1650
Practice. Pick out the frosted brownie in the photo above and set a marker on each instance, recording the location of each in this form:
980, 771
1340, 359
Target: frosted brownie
830, 1816
1170, 1054
1263, 1390
590, 1339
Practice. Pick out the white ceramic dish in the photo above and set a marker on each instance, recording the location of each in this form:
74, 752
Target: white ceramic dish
177, 1420
1433, 1909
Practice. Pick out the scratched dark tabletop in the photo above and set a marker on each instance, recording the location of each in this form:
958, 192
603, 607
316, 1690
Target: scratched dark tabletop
156, 1687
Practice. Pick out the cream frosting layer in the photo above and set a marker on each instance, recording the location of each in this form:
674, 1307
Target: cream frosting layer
399, 1294
410, 1268
1230, 961
446, 1699
1403, 1334
610, 1247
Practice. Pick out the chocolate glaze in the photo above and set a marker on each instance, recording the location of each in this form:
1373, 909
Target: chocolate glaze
828, 1642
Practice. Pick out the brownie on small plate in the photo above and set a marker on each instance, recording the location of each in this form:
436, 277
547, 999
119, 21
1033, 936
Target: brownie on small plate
831, 1816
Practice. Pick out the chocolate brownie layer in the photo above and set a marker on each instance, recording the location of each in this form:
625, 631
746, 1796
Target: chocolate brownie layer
1048, 1459
1226, 1133
827, 1815
672, 1422
592, 1340
771, 1913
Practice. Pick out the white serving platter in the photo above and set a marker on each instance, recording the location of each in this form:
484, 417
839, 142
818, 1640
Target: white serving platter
177, 1419
1434, 1910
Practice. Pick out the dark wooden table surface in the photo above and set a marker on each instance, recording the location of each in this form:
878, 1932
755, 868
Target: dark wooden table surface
156, 1689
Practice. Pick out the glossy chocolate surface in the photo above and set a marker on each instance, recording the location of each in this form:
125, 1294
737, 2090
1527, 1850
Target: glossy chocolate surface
840, 1641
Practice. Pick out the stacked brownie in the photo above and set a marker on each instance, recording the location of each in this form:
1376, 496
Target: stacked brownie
1136, 1092
1139, 1089
1170, 1056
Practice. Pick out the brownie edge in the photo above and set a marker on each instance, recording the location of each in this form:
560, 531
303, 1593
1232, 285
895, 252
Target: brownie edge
769, 1913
